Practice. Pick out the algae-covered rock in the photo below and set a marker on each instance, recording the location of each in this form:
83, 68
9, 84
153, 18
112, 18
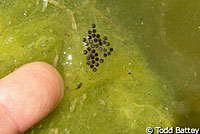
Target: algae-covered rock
143, 83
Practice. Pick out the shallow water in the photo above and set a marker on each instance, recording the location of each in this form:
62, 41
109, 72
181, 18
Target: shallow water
157, 41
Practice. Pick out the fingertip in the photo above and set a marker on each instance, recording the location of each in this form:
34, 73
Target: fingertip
31, 92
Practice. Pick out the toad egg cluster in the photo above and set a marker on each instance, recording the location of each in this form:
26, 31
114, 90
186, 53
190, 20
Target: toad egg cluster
96, 48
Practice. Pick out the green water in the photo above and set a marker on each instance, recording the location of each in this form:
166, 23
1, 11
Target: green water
156, 40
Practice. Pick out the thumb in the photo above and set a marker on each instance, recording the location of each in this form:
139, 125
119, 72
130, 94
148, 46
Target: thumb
27, 95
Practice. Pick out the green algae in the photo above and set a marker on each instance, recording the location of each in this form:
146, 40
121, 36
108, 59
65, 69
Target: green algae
147, 41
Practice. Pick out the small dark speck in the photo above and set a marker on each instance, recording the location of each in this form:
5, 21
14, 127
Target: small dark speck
104, 54
105, 110
41, 127
129, 72
93, 25
108, 53
104, 42
66, 34
79, 85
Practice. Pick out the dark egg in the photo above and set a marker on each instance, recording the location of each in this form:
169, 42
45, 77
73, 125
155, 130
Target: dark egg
97, 59
84, 39
93, 51
107, 44
91, 66
84, 52
88, 48
89, 37
96, 45
93, 61
93, 35
94, 30
92, 57
89, 32
105, 55
94, 69
100, 49
96, 64
101, 60
98, 35
92, 46
86, 44
105, 37
88, 58
96, 54
88, 62
100, 43
90, 41
108, 53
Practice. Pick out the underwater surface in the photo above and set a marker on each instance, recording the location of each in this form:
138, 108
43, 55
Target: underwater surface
152, 78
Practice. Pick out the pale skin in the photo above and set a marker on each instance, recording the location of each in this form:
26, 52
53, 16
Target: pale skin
27, 95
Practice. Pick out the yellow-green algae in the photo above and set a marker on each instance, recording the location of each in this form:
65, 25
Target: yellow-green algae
157, 41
